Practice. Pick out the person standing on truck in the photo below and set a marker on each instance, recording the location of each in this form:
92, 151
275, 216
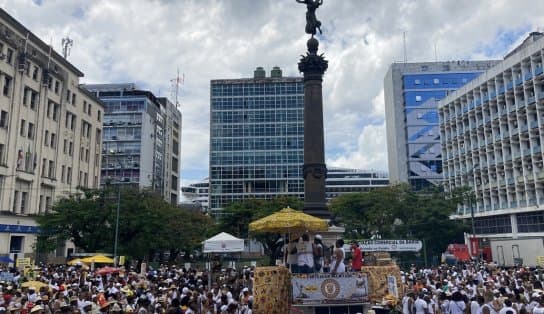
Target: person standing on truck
356, 257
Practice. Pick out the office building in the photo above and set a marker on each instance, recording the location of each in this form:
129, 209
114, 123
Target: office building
256, 138
197, 193
50, 134
492, 130
140, 140
411, 93
342, 181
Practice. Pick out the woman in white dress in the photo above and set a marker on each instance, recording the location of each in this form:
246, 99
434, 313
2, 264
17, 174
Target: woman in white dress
337, 265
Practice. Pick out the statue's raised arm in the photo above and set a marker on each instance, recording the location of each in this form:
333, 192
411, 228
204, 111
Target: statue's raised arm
312, 23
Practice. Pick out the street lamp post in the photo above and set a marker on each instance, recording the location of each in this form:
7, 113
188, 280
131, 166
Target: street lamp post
115, 257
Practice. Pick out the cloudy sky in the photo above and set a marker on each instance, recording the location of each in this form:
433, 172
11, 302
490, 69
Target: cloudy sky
146, 41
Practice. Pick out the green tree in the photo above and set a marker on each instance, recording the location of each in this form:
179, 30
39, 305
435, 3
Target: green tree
238, 215
399, 212
147, 223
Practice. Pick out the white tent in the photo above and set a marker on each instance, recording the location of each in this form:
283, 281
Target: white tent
223, 243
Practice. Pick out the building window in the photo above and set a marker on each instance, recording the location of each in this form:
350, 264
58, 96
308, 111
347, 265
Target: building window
15, 201
424, 68
493, 225
51, 173
68, 95
65, 147
24, 196
71, 149
3, 119
57, 86
40, 205
33, 100
418, 98
417, 82
62, 173
53, 140
9, 56
7, 85
30, 130
99, 116
69, 175
46, 138
47, 204
2, 154
35, 73
436, 81
22, 130
530, 222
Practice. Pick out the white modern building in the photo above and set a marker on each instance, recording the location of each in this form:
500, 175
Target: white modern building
197, 193
50, 134
342, 181
491, 131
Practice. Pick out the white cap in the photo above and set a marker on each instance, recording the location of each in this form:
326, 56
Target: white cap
318, 236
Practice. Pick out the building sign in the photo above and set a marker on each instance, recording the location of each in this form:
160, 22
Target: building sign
329, 288
23, 262
391, 245
19, 229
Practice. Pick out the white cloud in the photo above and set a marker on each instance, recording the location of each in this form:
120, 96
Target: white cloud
146, 41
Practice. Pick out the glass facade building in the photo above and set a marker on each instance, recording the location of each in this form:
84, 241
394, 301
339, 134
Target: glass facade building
412, 92
256, 138
139, 129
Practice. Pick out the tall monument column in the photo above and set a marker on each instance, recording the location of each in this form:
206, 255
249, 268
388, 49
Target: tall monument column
314, 170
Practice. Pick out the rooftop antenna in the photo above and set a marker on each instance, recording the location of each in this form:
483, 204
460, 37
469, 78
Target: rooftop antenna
67, 44
176, 82
404, 43
435, 54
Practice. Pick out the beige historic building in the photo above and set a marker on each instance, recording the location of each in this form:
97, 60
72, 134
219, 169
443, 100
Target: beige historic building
50, 133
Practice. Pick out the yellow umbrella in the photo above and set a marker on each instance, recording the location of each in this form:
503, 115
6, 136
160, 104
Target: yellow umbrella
75, 261
288, 220
34, 284
99, 259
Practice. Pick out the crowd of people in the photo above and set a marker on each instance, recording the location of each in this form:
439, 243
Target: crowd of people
172, 290
472, 289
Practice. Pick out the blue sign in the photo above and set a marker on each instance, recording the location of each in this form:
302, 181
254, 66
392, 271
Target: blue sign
6, 276
19, 229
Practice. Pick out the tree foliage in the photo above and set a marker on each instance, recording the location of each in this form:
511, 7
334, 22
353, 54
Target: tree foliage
397, 212
147, 223
237, 216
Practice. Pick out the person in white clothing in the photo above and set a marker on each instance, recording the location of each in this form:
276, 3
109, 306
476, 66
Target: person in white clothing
507, 307
420, 305
305, 255
457, 305
539, 309
337, 265
408, 303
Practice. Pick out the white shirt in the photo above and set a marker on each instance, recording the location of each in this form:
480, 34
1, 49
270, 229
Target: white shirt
420, 306
305, 254
474, 307
457, 307
406, 305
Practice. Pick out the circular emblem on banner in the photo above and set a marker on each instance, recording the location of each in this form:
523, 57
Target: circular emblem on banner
330, 288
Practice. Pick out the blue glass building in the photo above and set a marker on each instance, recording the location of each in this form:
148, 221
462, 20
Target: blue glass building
256, 138
412, 91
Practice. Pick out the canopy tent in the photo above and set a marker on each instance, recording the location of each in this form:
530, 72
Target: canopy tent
223, 243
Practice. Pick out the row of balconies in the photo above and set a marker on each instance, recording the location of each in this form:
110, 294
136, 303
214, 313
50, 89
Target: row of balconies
457, 111
518, 105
